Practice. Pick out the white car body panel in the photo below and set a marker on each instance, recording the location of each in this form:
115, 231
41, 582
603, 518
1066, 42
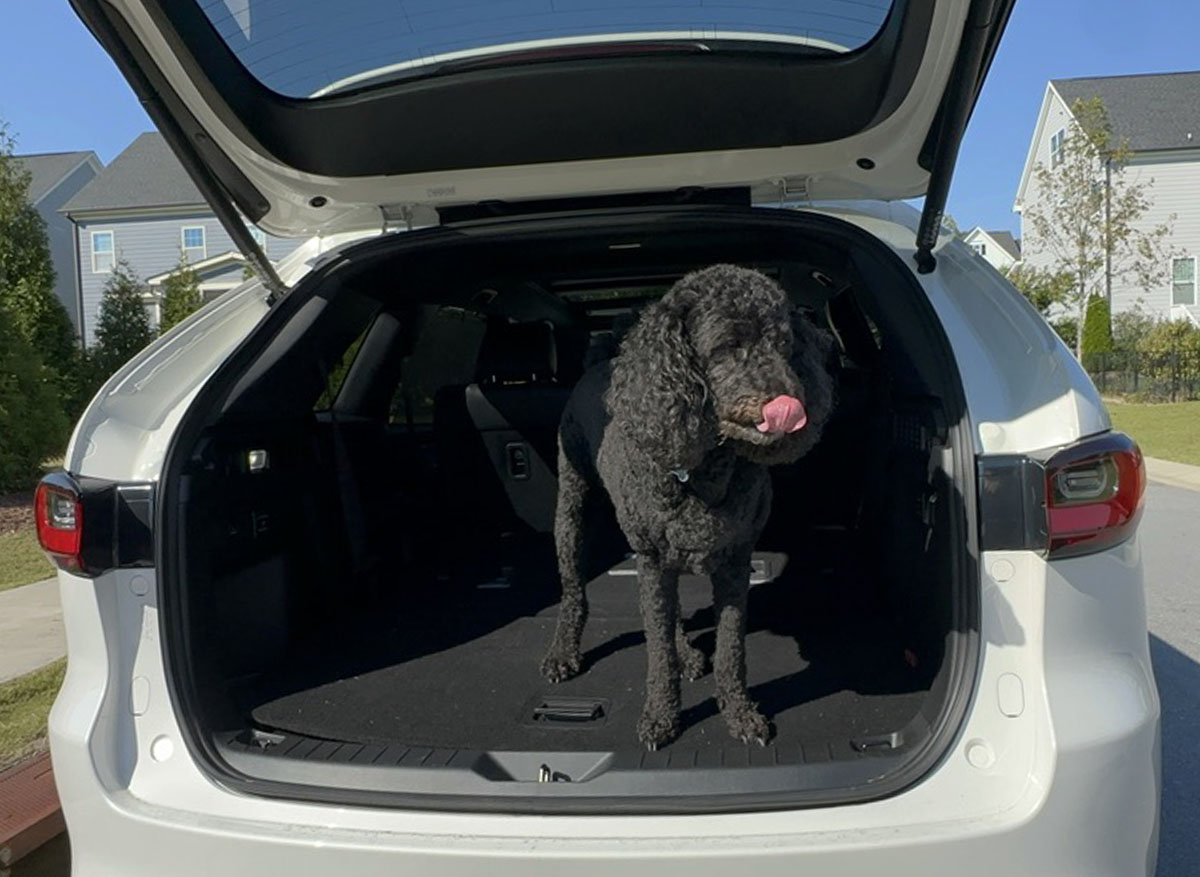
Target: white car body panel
1048, 774
1010, 797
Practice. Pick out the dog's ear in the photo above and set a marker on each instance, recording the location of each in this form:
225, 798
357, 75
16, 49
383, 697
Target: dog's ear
659, 394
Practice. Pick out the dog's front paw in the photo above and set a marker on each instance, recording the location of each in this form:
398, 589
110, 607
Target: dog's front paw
692, 662
747, 724
656, 728
559, 666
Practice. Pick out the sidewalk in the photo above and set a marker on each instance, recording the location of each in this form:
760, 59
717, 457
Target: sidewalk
31, 629
1175, 474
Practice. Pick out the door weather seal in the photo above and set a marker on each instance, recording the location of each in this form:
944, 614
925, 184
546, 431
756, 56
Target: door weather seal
981, 35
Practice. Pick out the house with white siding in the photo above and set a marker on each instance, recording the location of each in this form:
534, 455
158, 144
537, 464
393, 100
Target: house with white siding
145, 209
1158, 116
54, 179
999, 248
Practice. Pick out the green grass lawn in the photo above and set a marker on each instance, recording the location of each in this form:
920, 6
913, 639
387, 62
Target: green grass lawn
21, 559
1169, 431
24, 707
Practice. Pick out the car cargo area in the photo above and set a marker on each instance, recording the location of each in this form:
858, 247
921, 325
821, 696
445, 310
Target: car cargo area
365, 580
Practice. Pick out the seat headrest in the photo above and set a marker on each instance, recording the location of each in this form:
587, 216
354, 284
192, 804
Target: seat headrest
517, 353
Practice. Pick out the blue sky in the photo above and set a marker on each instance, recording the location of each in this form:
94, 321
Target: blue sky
59, 91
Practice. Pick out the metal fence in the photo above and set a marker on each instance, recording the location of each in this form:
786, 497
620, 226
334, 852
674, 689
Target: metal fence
1152, 377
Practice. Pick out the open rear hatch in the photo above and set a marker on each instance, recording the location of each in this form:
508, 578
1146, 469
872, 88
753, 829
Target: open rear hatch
310, 118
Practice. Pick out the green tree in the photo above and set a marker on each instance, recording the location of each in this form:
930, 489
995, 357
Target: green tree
123, 327
32, 423
26, 272
1067, 329
1097, 327
1130, 327
1044, 289
1086, 219
180, 295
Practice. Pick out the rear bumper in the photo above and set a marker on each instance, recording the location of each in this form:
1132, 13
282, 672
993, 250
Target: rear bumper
1063, 780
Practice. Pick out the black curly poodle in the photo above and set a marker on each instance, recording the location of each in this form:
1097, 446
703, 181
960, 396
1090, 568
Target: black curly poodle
718, 380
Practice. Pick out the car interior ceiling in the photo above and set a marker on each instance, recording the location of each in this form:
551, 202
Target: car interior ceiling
384, 496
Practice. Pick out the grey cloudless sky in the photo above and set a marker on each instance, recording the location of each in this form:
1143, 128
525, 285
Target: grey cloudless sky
59, 91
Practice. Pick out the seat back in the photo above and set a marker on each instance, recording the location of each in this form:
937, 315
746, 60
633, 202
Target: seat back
497, 437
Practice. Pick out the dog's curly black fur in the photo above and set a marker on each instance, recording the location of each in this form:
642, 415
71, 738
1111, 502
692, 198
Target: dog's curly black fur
668, 429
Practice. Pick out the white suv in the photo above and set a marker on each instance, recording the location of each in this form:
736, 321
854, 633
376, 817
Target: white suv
305, 538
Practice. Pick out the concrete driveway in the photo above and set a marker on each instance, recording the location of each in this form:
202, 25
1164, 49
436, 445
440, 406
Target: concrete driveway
1171, 541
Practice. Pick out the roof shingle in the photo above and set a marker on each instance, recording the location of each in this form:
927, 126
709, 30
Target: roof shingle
1150, 110
1007, 242
46, 169
146, 174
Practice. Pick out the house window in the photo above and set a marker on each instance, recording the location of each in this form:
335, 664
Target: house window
1056, 147
103, 252
193, 242
1183, 281
980, 248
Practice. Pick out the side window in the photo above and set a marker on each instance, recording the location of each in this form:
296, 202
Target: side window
444, 356
1056, 147
336, 375
103, 252
191, 240
1183, 281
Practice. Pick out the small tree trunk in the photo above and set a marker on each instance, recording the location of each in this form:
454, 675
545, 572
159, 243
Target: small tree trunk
1079, 320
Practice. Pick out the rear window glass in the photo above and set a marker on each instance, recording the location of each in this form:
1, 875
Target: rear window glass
301, 48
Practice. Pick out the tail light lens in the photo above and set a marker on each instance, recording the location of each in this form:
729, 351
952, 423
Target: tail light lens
58, 509
90, 525
1066, 502
1094, 495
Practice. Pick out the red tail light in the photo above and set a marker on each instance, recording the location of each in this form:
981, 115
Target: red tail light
59, 513
1094, 494
1063, 502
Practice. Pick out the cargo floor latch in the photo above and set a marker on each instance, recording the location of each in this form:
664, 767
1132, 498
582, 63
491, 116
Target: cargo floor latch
546, 775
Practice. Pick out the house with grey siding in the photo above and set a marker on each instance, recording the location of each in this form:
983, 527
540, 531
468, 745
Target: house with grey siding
54, 179
144, 208
1158, 115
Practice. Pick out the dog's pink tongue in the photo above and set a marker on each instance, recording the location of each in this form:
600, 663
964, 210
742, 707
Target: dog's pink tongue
783, 414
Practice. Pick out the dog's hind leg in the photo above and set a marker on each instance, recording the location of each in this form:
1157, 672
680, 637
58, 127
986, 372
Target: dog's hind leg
731, 584
564, 658
658, 593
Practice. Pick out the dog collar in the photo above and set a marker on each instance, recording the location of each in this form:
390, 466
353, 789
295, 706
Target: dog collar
681, 475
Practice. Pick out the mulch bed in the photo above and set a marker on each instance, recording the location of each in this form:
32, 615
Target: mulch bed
16, 511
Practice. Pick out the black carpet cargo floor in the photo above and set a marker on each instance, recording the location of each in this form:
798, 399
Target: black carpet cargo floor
457, 668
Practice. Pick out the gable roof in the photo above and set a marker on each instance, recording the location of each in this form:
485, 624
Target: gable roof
1150, 110
47, 169
146, 174
1002, 239
1005, 241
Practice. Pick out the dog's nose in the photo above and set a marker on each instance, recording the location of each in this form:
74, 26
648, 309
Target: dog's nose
783, 414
